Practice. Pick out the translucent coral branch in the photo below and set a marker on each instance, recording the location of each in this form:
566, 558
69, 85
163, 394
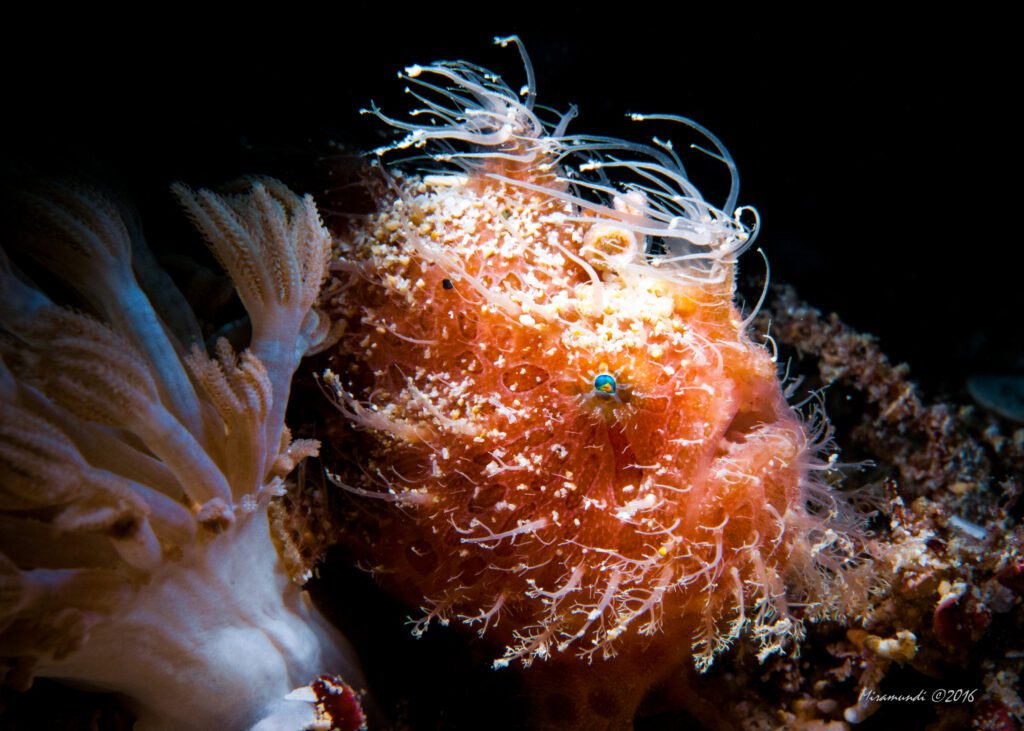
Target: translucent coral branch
242, 393
45, 468
86, 241
275, 247
97, 375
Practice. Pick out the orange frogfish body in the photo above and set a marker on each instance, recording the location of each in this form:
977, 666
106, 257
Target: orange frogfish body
565, 436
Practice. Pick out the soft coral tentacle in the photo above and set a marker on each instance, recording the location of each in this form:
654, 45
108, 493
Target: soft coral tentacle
276, 248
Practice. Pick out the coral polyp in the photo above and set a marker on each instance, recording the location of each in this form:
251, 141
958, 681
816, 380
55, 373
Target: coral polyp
567, 438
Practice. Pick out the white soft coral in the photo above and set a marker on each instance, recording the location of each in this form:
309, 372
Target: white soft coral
135, 474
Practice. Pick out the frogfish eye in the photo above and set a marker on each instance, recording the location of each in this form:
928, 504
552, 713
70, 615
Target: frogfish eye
604, 384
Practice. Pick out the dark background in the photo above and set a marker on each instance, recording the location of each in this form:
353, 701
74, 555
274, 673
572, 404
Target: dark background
878, 153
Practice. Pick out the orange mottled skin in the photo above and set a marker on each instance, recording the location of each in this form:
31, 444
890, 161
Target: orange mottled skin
495, 485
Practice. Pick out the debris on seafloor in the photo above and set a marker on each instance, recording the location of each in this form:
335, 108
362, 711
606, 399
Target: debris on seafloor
942, 647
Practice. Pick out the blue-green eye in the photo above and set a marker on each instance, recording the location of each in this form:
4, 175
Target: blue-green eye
605, 384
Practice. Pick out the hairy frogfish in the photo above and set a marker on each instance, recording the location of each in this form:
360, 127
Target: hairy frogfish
561, 430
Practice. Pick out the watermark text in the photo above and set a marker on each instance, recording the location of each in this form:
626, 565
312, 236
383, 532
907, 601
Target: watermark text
938, 695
